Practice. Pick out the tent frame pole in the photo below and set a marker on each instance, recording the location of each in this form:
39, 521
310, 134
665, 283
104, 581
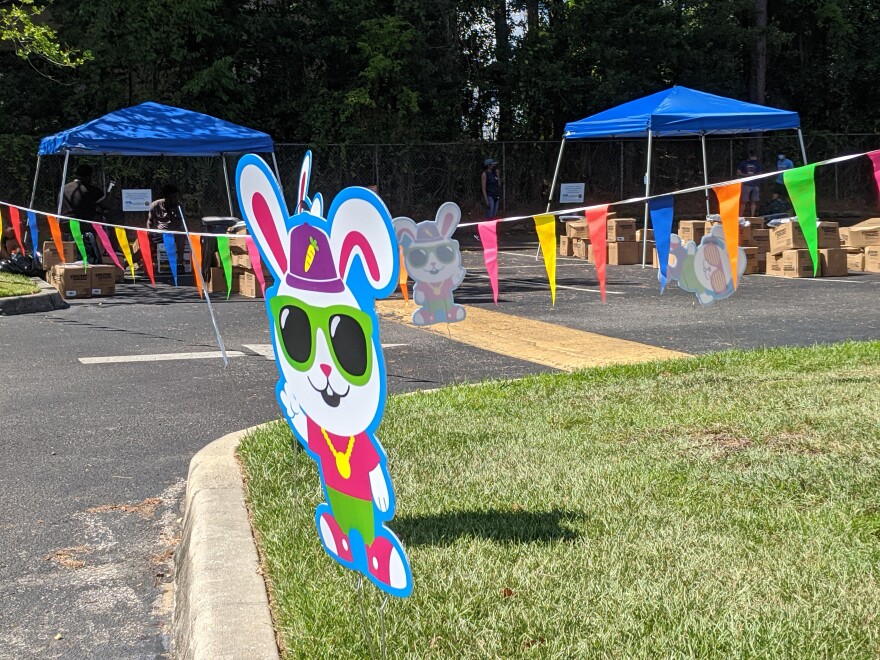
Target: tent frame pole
803, 149
705, 170
36, 177
226, 181
63, 180
552, 187
647, 194
278, 174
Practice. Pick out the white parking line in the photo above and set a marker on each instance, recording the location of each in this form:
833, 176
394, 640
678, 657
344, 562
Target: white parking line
157, 357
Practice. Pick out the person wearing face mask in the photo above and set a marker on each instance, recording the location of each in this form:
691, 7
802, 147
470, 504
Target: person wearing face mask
782, 163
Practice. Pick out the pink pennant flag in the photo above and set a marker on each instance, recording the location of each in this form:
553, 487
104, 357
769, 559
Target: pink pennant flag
596, 224
108, 246
257, 263
489, 239
875, 160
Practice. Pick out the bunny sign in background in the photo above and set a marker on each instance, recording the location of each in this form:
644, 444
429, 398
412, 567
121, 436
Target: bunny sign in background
433, 260
325, 334
704, 269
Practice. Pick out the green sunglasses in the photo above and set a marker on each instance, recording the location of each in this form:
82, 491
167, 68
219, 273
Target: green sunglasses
348, 332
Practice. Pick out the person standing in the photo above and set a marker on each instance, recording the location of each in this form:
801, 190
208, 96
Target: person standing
491, 186
164, 215
782, 163
751, 190
83, 201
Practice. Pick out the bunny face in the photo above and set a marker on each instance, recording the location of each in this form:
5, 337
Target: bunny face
430, 254
328, 273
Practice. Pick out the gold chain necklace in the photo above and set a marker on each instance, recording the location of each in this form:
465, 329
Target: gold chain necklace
343, 460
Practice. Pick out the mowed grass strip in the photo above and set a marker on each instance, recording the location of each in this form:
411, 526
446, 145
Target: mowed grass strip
16, 285
722, 506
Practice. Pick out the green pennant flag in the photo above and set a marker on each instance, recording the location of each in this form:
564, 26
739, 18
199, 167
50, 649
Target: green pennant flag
78, 238
801, 187
226, 261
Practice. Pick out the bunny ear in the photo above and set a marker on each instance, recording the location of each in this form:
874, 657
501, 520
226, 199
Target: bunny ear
405, 230
263, 210
305, 172
360, 226
317, 208
447, 219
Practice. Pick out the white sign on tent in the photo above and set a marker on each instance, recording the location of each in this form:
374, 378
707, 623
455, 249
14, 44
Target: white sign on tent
571, 193
137, 199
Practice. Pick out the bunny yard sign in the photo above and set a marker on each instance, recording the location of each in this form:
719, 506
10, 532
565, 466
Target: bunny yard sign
328, 272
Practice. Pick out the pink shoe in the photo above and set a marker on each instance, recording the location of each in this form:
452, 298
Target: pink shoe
385, 563
335, 541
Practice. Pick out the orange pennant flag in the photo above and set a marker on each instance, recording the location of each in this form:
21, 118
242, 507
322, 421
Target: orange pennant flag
195, 244
404, 277
55, 230
728, 205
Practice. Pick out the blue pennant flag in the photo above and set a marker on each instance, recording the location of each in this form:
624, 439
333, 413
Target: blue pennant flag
32, 230
171, 252
661, 220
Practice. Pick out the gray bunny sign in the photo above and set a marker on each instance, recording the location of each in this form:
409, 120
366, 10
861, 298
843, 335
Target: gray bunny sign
433, 260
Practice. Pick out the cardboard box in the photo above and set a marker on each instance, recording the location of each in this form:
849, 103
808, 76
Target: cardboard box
640, 235
870, 222
72, 281
51, 256
761, 240
855, 259
751, 260
621, 229
579, 248
833, 262
691, 230
786, 237
249, 286
624, 253
566, 247
791, 263
217, 281
864, 236
844, 236
590, 254
577, 229
828, 234
762, 261
872, 259
238, 245
756, 223
102, 279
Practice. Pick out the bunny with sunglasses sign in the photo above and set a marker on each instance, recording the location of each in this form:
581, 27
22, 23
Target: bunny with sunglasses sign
328, 273
704, 269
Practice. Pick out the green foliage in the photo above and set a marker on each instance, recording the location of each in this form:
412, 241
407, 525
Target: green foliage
34, 38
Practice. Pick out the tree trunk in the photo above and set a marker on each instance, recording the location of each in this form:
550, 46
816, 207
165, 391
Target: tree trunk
758, 84
532, 16
502, 60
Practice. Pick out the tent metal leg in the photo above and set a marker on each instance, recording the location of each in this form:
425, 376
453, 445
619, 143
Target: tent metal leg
278, 173
705, 171
553, 186
36, 177
226, 181
803, 148
63, 180
647, 194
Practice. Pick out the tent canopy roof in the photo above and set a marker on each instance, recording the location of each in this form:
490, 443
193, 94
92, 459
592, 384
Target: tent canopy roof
681, 111
153, 129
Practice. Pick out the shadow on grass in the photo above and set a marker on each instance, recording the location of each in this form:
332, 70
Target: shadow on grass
501, 526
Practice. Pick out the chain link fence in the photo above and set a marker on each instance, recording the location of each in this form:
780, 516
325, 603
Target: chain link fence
414, 179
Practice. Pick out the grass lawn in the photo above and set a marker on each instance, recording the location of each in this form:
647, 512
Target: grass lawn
726, 506
16, 285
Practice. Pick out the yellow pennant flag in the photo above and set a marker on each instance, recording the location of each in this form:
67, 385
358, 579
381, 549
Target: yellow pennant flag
126, 248
545, 225
728, 208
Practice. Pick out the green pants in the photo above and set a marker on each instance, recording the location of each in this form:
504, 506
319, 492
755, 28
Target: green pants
353, 513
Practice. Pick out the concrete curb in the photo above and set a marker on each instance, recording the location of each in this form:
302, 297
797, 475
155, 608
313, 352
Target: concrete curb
46, 300
221, 609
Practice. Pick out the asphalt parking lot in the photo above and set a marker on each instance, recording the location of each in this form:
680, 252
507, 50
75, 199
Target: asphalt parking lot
96, 446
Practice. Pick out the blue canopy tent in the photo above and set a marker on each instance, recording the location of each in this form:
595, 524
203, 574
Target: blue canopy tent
678, 111
153, 129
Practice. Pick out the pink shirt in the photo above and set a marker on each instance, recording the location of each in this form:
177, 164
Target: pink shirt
363, 460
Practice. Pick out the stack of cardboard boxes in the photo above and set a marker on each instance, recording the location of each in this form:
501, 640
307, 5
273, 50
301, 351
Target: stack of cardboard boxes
862, 245
244, 277
621, 244
75, 280
789, 256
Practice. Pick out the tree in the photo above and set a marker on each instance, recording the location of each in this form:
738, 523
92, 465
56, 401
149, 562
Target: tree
19, 24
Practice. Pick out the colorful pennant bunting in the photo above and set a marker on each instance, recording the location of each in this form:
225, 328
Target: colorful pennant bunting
195, 246
661, 219
256, 262
143, 239
32, 230
226, 262
801, 187
597, 225
55, 230
728, 207
545, 225
403, 278
15, 221
171, 252
875, 161
489, 239
108, 246
76, 230
126, 248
